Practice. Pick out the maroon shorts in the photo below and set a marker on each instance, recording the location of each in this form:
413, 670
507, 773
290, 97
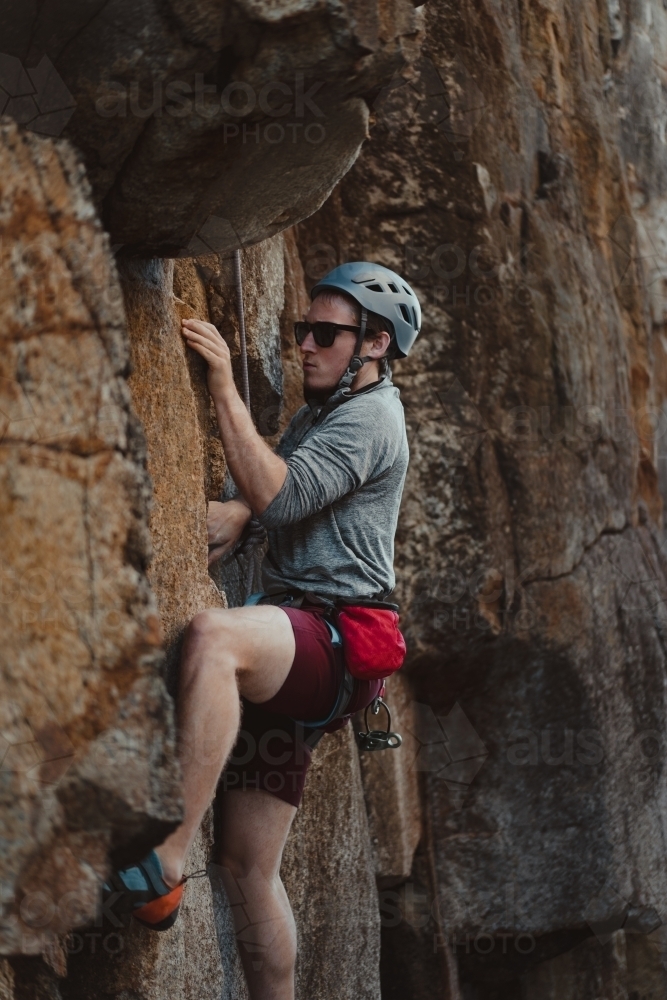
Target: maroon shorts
270, 752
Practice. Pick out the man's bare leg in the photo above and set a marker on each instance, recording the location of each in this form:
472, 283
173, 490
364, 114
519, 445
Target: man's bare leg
255, 825
246, 651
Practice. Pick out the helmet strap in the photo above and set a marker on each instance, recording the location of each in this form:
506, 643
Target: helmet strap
356, 362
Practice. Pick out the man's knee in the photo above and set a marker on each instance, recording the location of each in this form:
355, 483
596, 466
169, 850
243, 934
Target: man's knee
213, 627
209, 633
206, 624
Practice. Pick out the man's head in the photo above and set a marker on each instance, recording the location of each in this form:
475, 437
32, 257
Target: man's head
323, 367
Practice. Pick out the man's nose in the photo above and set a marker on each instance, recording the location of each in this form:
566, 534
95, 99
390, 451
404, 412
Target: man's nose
309, 346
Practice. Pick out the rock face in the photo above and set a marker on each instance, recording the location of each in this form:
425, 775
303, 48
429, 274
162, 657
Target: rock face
168, 396
515, 174
204, 125
517, 181
83, 699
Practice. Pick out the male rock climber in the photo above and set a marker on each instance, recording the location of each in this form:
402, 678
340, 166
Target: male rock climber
329, 498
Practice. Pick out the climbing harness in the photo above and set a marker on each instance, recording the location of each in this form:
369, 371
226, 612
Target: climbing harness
378, 739
314, 730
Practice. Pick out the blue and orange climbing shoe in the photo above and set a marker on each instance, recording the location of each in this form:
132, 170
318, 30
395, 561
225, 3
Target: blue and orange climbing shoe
141, 892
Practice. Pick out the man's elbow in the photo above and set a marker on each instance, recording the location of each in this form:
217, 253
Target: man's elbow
268, 490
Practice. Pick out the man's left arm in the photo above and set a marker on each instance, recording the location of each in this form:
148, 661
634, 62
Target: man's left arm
354, 445
257, 471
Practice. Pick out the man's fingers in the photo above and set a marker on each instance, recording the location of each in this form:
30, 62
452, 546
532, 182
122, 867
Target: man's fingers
212, 345
201, 329
205, 352
217, 552
190, 327
195, 323
218, 535
209, 349
193, 336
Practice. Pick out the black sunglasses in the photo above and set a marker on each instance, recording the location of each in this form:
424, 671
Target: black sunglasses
324, 334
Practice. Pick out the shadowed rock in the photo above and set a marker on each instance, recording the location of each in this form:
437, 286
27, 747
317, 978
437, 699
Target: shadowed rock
204, 125
509, 180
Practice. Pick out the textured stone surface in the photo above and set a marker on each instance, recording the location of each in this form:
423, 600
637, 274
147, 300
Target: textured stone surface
204, 125
168, 388
617, 966
168, 394
297, 302
82, 696
505, 180
515, 174
6, 980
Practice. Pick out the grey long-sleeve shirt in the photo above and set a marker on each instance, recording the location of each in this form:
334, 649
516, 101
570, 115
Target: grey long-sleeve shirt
331, 527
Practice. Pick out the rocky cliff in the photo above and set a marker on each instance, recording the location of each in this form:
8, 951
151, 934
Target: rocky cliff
514, 170
517, 178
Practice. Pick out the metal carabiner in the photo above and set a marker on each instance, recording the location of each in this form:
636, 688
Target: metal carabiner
378, 739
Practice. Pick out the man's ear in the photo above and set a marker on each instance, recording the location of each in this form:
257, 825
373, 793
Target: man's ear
379, 345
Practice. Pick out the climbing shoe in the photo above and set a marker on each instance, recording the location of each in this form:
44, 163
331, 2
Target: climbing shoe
141, 892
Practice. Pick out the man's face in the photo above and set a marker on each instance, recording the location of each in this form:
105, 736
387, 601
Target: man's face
324, 366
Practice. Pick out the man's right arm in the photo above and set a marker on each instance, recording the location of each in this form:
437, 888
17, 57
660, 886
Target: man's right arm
257, 471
